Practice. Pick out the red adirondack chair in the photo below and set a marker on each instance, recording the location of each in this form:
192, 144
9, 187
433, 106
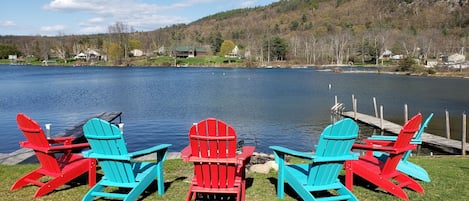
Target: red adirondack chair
56, 157
384, 173
217, 167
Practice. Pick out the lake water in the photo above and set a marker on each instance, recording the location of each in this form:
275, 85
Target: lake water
288, 107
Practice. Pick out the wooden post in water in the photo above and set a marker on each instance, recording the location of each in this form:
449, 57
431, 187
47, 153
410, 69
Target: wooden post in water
381, 117
406, 113
354, 103
463, 137
335, 100
376, 107
356, 108
448, 134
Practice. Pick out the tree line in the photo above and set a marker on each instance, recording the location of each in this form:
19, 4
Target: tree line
293, 31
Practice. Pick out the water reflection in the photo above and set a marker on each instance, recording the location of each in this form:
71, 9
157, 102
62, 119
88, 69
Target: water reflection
288, 107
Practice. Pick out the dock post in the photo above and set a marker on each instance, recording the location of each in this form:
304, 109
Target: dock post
335, 100
375, 106
448, 134
48, 132
121, 127
381, 117
463, 137
406, 113
355, 108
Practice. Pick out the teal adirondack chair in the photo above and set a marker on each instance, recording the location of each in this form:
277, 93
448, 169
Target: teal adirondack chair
404, 165
108, 147
321, 174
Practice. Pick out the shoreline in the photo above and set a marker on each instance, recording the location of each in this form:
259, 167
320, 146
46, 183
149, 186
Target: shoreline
336, 68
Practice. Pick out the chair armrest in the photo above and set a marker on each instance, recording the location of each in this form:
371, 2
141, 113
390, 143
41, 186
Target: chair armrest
392, 138
387, 149
348, 157
245, 156
26, 144
186, 153
382, 137
314, 158
61, 140
126, 157
54, 149
383, 143
79, 146
292, 152
247, 152
91, 154
149, 150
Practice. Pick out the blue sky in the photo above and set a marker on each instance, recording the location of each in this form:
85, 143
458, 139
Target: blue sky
67, 17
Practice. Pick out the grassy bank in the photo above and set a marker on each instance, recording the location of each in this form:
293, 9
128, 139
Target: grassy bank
449, 174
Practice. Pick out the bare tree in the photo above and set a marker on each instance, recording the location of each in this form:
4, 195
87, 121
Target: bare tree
119, 33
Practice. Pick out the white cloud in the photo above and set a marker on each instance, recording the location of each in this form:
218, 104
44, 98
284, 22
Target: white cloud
55, 28
152, 21
93, 30
7, 23
249, 3
92, 21
72, 5
96, 20
136, 13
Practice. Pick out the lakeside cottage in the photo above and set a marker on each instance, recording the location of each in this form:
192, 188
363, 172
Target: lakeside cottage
188, 51
88, 55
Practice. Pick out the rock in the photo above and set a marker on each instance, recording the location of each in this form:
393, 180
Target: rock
259, 168
264, 168
272, 164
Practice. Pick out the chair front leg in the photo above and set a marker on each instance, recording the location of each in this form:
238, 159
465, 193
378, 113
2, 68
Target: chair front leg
160, 157
348, 175
280, 158
92, 172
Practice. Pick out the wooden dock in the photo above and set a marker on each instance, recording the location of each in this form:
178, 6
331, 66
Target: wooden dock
23, 155
447, 145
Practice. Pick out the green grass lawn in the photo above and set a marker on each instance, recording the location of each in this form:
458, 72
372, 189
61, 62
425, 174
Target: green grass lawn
449, 174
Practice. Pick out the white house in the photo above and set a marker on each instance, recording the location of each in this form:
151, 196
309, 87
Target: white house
386, 54
136, 53
234, 53
397, 57
89, 54
80, 56
457, 58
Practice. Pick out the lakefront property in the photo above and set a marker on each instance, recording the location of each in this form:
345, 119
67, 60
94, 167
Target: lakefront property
295, 100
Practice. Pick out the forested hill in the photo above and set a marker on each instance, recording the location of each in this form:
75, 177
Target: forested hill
316, 31
325, 31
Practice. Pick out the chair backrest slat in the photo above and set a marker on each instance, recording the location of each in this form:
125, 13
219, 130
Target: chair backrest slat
213, 139
403, 139
336, 140
35, 136
106, 139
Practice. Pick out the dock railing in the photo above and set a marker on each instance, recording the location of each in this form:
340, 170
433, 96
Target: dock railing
446, 144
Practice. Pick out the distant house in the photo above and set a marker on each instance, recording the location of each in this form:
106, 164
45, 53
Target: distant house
187, 51
13, 57
136, 53
88, 55
234, 53
161, 51
93, 54
431, 63
386, 54
457, 58
397, 57
81, 56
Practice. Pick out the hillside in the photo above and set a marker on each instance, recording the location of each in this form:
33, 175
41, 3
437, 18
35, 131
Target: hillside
300, 32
